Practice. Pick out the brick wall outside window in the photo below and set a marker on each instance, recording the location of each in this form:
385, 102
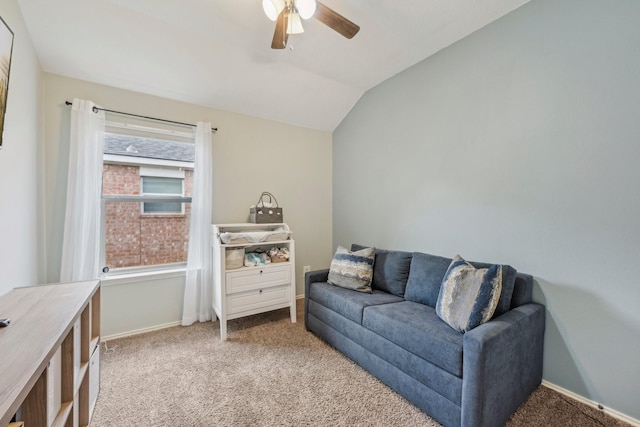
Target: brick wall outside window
135, 239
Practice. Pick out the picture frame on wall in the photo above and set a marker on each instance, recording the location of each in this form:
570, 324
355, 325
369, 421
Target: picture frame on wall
6, 49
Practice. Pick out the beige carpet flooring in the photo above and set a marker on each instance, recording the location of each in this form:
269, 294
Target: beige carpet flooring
269, 372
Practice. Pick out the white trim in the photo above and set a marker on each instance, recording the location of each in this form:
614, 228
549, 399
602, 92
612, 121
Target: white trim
612, 412
141, 276
159, 131
161, 172
156, 328
138, 161
141, 331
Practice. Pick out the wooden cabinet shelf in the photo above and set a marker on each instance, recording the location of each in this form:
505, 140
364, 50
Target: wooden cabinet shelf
45, 354
63, 415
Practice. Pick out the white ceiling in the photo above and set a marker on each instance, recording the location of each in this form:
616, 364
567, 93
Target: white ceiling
217, 53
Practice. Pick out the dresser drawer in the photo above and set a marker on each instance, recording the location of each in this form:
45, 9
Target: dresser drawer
259, 299
258, 278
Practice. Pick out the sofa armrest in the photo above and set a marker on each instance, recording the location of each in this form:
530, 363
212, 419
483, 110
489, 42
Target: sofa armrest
309, 278
502, 365
315, 276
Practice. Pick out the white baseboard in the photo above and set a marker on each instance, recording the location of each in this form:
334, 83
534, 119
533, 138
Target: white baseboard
155, 328
141, 331
615, 414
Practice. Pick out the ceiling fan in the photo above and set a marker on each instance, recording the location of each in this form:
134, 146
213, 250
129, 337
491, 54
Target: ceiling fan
287, 14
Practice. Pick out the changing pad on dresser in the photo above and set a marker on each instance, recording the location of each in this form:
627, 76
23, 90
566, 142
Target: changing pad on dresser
257, 236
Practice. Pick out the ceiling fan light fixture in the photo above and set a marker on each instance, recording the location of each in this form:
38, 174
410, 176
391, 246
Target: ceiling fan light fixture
294, 24
288, 15
272, 8
306, 8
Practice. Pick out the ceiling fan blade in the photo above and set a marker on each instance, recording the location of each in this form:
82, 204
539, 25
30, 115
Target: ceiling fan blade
280, 35
335, 21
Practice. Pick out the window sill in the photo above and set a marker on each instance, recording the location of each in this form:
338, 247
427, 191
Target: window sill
141, 276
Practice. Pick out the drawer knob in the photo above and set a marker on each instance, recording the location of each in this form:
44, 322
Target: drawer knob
260, 271
260, 290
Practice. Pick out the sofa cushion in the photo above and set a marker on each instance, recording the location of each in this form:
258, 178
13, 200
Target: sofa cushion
425, 278
427, 272
522, 290
468, 295
352, 270
416, 328
447, 385
346, 302
390, 270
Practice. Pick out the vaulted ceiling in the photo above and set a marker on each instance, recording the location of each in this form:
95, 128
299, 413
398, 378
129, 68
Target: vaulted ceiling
217, 53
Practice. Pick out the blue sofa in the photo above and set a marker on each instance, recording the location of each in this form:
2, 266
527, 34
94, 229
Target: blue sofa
477, 378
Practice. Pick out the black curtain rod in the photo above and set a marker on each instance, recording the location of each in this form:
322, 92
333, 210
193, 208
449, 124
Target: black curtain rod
96, 109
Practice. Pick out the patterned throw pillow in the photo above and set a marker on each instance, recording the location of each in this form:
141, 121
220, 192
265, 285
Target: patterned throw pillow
352, 270
468, 296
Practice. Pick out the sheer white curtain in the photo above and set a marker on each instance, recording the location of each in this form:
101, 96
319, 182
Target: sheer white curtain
81, 241
198, 285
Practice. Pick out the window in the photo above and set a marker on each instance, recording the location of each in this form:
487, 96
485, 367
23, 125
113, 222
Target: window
161, 182
154, 186
146, 193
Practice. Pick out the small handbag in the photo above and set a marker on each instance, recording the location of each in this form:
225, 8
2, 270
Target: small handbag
263, 212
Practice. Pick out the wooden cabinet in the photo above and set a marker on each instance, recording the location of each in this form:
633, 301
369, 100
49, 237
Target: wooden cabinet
45, 354
243, 291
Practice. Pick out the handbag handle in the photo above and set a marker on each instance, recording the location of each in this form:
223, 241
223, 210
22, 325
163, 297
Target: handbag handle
271, 197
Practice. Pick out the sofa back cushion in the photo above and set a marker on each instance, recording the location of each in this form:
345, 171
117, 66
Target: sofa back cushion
425, 278
390, 270
522, 290
427, 272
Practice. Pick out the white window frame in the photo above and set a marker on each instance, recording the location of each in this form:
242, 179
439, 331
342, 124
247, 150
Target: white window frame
126, 274
158, 172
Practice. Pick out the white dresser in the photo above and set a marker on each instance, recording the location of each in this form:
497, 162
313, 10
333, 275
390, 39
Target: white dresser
244, 291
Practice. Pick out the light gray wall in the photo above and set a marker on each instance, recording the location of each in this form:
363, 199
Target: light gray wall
21, 236
519, 144
251, 155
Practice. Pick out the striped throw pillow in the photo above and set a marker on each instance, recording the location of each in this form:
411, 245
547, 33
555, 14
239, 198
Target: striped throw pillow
468, 296
352, 270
